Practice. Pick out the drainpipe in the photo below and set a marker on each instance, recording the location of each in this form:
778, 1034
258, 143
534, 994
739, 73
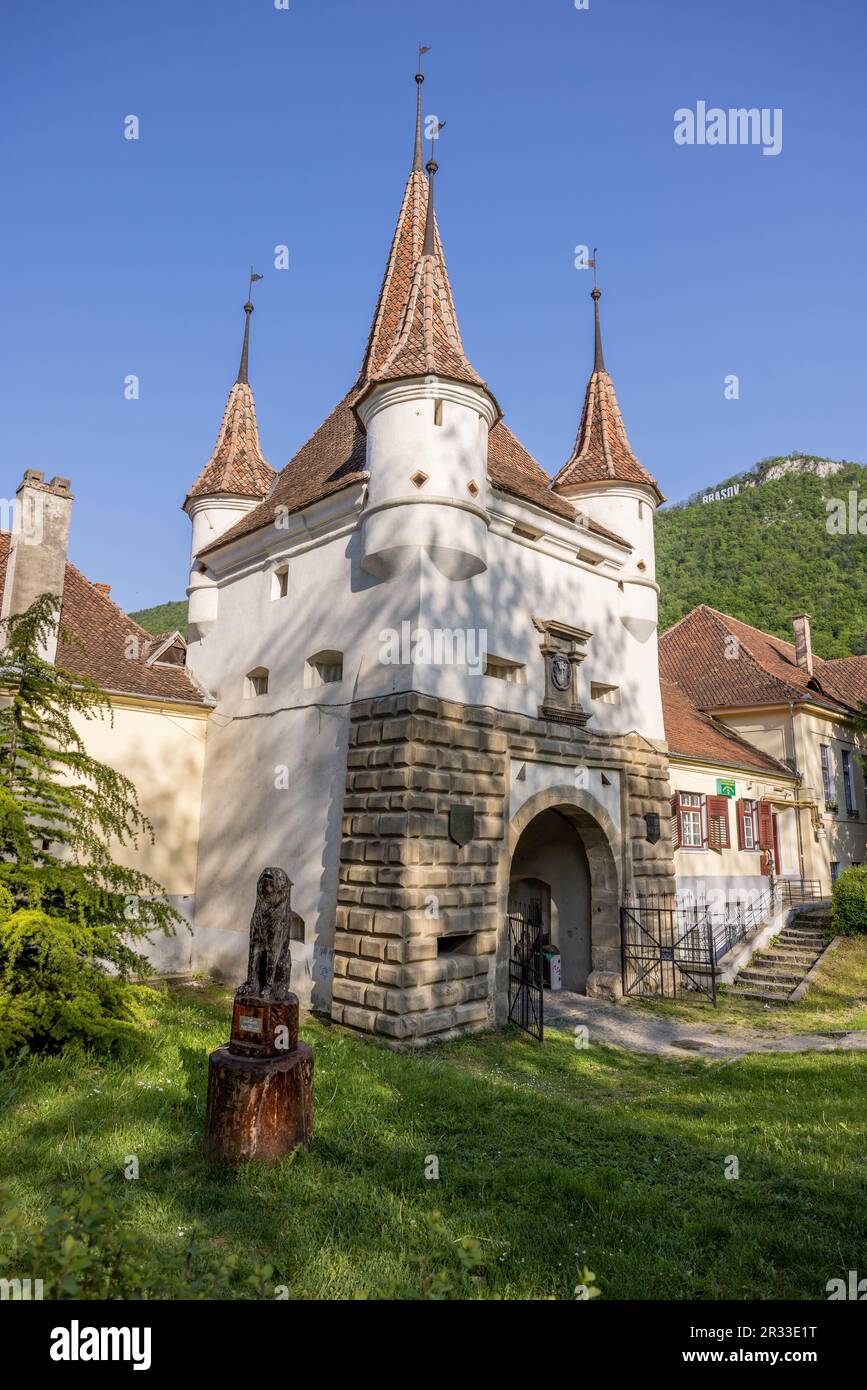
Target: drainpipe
800, 777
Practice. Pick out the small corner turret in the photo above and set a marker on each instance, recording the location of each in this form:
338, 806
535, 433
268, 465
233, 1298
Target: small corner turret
234, 480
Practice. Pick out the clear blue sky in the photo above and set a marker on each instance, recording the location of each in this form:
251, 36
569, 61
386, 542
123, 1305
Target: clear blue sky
261, 126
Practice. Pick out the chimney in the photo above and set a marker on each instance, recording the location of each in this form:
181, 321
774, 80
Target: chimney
37, 553
803, 643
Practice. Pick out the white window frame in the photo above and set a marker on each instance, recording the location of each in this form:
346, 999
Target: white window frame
827, 774
850, 796
751, 819
693, 812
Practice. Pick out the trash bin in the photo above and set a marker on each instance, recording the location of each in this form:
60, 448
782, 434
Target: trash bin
552, 973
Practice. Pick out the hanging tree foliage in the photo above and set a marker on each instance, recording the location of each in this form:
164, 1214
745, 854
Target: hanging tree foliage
70, 917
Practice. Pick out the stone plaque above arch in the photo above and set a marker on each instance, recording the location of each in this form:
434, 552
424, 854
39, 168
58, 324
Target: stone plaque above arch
563, 651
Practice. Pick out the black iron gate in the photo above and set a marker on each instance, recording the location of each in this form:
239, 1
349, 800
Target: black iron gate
525, 970
667, 948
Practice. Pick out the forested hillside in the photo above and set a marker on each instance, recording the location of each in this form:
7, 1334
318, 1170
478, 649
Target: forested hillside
768, 553
166, 617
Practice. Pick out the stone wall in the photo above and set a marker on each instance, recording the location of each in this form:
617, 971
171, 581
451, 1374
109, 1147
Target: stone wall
419, 917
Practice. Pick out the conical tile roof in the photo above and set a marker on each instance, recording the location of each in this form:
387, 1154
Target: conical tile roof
237, 466
602, 452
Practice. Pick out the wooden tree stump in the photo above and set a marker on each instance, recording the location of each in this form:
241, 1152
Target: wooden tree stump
260, 1087
259, 1108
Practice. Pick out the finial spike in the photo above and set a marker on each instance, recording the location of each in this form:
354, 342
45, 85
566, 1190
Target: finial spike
429, 247
242, 376
596, 295
418, 158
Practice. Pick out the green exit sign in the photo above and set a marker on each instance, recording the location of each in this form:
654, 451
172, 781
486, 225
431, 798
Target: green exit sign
725, 788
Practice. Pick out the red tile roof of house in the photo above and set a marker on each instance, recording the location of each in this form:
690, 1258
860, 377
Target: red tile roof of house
722, 663
691, 734
96, 637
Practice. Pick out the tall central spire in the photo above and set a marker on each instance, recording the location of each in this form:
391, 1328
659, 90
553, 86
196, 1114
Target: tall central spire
415, 327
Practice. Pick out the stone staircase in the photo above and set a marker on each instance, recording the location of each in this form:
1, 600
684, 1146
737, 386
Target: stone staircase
773, 975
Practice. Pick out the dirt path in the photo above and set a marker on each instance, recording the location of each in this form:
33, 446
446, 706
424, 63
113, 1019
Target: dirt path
618, 1025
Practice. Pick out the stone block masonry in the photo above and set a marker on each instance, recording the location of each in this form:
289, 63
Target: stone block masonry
419, 918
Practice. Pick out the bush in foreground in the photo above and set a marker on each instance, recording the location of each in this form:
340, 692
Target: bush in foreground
70, 917
849, 903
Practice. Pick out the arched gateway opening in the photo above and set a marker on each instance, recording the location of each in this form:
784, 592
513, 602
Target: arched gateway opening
561, 866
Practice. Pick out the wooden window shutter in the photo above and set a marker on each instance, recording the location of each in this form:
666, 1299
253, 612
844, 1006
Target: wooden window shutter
676, 834
766, 825
740, 815
766, 836
718, 823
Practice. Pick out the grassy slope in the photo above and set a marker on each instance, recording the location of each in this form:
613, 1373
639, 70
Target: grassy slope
836, 1002
765, 555
167, 617
553, 1158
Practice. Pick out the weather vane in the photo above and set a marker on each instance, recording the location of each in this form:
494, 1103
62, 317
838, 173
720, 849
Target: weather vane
253, 278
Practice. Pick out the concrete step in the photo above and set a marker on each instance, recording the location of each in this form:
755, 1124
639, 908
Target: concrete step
787, 948
763, 994
769, 973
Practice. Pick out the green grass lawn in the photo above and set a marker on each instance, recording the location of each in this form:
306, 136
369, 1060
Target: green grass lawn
552, 1159
836, 1001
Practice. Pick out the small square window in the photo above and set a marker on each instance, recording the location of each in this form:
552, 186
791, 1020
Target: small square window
605, 694
325, 668
511, 671
256, 682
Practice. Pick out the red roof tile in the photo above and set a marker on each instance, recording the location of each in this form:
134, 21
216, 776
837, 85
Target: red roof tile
99, 641
723, 663
602, 452
415, 326
414, 332
236, 465
691, 734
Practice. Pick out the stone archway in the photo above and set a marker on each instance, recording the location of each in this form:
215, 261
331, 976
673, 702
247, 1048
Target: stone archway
565, 838
549, 866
